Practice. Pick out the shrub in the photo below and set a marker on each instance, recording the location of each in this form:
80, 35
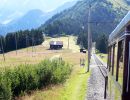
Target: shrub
25, 78
5, 90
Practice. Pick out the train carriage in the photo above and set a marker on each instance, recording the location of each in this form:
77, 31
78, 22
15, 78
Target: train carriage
119, 61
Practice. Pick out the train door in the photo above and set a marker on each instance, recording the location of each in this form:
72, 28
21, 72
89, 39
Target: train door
126, 80
120, 68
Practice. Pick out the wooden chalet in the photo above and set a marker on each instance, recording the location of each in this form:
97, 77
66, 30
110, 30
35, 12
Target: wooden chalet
54, 45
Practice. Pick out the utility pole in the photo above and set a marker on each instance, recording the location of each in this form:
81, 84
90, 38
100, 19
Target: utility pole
32, 44
16, 42
27, 42
68, 42
89, 38
35, 45
2, 48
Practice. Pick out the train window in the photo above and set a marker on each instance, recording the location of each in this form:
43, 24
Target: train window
115, 60
111, 59
113, 54
108, 62
120, 63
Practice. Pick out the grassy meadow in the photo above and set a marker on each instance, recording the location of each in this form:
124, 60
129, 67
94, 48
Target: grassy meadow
40, 52
75, 86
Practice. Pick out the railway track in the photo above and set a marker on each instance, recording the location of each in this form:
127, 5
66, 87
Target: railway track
102, 67
104, 72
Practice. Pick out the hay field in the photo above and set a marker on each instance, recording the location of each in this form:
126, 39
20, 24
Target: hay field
40, 52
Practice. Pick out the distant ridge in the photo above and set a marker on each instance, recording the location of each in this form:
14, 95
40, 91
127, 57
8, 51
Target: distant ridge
32, 19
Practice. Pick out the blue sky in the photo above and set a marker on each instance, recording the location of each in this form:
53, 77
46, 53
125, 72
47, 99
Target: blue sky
25, 5
13, 9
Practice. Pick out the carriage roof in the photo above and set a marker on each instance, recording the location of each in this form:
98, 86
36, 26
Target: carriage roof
117, 32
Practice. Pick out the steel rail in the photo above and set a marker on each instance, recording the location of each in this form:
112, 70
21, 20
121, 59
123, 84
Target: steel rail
101, 66
104, 72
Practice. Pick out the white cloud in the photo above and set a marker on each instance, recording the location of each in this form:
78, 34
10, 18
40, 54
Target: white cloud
25, 5
25, 2
7, 21
2, 3
8, 7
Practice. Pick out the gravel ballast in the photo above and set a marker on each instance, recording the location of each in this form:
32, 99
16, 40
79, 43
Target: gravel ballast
96, 83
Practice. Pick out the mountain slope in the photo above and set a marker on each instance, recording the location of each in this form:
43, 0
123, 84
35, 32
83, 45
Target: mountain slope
105, 15
32, 19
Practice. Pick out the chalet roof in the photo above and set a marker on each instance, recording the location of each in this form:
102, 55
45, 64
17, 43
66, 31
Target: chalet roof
56, 42
117, 32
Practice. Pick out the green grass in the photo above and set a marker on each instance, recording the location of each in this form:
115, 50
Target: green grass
25, 78
42, 52
75, 88
103, 57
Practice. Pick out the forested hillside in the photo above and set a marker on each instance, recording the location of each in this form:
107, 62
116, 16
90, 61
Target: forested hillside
105, 15
71, 21
20, 39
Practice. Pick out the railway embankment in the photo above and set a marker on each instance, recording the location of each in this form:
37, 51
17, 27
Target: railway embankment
96, 82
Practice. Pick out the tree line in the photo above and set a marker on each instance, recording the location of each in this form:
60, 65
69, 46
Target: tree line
82, 40
20, 39
101, 41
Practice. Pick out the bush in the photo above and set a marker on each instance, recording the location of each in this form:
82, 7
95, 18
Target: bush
5, 88
25, 78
